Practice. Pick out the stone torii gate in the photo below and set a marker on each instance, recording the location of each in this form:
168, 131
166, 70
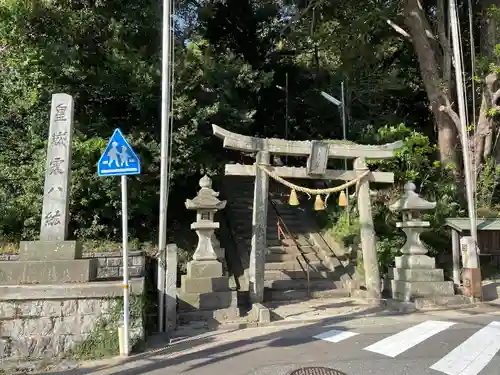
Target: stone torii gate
317, 153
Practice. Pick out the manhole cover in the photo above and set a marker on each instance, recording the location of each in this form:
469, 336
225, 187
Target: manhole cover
317, 371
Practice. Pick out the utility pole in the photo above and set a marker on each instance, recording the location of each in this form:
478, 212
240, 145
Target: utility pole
285, 90
164, 147
286, 105
341, 105
463, 121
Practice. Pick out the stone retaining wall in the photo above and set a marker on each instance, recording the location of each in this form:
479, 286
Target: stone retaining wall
109, 263
39, 321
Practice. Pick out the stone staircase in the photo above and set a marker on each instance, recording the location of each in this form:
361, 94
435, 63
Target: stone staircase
289, 260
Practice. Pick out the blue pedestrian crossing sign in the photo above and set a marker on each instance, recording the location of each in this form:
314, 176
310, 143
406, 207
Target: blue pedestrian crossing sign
118, 159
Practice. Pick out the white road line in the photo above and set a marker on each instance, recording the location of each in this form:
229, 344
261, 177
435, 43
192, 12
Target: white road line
473, 354
404, 340
335, 335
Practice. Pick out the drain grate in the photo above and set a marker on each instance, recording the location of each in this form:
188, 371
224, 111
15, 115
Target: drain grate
317, 371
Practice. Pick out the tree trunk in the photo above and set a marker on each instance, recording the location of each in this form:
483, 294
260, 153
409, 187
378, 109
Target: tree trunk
485, 136
436, 79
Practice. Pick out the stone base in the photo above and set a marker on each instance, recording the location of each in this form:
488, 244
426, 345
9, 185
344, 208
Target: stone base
207, 301
204, 268
205, 295
49, 250
260, 313
204, 284
409, 274
415, 261
215, 317
409, 290
48, 272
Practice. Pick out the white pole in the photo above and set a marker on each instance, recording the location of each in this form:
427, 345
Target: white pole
164, 144
344, 136
126, 348
463, 121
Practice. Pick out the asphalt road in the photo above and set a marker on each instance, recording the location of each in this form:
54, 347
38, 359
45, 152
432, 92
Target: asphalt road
452, 343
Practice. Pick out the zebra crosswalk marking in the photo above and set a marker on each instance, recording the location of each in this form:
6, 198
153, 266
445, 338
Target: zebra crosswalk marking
335, 335
468, 358
473, 354
396, 344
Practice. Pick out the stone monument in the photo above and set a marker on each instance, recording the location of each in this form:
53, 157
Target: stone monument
53, 259
205, 287
415, 274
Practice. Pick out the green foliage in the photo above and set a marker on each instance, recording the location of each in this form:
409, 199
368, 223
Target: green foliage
102, 341
106, 56
346, 228
388, 248
487, 182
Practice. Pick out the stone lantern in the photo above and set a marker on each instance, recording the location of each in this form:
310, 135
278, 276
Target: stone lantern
206, 204
205, 288
415, 274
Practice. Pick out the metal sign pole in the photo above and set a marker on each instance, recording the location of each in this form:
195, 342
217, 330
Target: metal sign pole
119, 159
125, 267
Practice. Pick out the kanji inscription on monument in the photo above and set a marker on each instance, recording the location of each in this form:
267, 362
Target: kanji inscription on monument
57, 175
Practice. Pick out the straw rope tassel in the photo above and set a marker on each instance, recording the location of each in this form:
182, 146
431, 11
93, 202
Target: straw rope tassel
342, 199
293, 200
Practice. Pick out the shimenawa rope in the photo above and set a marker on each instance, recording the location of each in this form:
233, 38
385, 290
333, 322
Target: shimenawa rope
319, 204
308, 191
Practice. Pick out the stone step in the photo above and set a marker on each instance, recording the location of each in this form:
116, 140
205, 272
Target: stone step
244, 216
300, 239
290, 256
283, 211
295, 265
245, 240
290, 275
302, 294
314, 284
281, 249
236, 207
272, 240
288, 243
270, 231
270, 228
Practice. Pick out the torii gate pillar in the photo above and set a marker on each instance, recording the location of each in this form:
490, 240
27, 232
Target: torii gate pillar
367, 231
259, 230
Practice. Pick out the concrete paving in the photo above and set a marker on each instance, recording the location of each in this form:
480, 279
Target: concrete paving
460, 342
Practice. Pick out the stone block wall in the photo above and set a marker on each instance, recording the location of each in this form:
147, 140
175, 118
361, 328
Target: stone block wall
109, 263
34, 326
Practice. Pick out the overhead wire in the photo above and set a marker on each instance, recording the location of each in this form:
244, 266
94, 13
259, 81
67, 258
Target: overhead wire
464, 83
